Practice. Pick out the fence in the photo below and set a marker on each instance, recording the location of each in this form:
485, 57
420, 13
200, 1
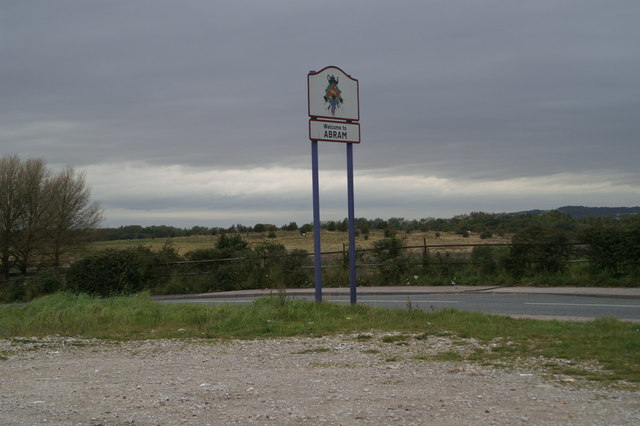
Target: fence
415, 264
387, 263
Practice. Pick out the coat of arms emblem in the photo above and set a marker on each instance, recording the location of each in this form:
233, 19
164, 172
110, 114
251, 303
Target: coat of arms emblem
332, 94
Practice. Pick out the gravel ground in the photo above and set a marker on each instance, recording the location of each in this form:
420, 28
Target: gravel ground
337, 380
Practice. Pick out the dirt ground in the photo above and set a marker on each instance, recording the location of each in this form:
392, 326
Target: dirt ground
337, 380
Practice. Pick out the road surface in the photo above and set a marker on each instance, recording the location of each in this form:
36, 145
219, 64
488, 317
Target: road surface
560, 306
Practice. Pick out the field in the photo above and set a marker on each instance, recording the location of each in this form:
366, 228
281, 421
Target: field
330, 240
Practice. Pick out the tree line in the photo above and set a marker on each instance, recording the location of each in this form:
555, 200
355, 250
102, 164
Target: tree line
43, 215
485, 224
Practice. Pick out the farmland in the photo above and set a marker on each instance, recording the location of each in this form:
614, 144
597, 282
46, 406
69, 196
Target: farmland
293, 240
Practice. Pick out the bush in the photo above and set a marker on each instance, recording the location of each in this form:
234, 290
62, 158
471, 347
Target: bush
613, 250
291, 265
394, 263
13, 290
232, 245
537, 250
121, 271
277, 267
43, 284
484, 260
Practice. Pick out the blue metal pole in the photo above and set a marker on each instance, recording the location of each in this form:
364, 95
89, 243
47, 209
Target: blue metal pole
316, 221
352, 225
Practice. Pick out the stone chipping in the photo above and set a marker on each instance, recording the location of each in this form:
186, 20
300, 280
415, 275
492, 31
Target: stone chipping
334, 380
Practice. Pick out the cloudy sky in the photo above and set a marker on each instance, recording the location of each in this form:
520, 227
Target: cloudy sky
194, 112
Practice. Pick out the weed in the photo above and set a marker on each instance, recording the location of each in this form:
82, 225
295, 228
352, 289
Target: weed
312, 351
330, 365
423, 336
395, 338
364, 337
19, 341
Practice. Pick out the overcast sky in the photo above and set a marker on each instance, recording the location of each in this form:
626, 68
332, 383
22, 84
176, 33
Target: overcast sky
194, 112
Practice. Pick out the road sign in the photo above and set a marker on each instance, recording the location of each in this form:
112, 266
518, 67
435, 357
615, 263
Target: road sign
334, 105
333, 94
334, 131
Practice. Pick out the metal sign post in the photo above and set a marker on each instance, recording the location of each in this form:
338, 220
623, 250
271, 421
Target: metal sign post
316, 221
352, 226
334, 109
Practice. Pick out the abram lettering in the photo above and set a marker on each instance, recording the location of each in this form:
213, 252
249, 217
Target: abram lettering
335, 134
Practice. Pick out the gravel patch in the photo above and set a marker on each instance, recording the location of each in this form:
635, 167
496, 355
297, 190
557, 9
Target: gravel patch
336, 380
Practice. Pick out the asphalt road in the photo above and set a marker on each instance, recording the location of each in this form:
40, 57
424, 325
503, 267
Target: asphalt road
570, 307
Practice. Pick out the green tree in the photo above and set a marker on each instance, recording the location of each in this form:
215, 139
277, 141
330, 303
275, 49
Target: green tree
292, 226
306, 228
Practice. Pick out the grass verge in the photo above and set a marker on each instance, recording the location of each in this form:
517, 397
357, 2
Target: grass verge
612, 346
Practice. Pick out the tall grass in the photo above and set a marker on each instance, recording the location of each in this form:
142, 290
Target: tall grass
611, 344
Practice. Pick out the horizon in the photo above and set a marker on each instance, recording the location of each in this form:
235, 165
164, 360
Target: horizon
226, 226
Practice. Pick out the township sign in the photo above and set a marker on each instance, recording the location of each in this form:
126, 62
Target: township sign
333, 94
334, 131
334, 110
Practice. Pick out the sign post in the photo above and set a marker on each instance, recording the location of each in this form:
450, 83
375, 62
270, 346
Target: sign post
352, 226
316, 220
334, 111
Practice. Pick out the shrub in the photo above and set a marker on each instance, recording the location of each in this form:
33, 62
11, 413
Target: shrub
292, 273
394, 264
606, 247
274, 266
484, 260
613, 249
121, 271
485, 235
231, 245
42, 284
538, 250
13, 290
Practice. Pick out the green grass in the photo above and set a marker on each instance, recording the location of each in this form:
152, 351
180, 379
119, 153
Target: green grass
612, 346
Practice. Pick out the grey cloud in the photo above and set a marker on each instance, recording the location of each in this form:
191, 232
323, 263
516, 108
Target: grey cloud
466, 89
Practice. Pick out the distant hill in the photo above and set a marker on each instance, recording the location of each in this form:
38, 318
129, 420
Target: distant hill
579, 212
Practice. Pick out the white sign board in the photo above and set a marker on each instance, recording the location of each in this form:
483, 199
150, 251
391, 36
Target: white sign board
333, 94
334, 131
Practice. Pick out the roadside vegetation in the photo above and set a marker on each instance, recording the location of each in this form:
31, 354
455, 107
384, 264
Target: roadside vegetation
550, 249
603, 350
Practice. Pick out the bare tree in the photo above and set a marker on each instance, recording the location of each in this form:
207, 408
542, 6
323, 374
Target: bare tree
42, 215
34, 197
72, 214
11, 211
